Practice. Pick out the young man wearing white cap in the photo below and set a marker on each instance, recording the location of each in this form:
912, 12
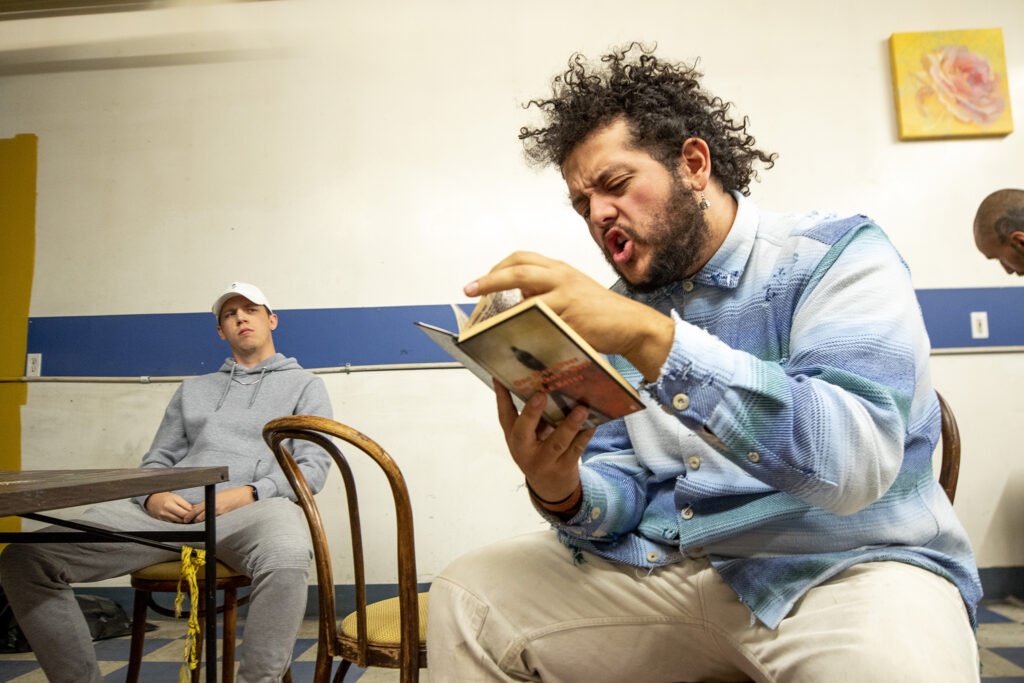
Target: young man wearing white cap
213, 419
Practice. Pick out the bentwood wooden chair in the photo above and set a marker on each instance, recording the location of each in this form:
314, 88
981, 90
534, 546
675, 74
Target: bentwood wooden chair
163, 578
949, 471
390, 633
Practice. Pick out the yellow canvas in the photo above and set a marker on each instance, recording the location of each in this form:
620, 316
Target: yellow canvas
950, 84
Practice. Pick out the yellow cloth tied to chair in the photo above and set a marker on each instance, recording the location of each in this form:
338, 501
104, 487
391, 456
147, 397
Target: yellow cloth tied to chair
189, 571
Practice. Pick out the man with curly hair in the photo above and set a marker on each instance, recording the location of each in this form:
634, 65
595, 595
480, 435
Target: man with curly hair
772, 515
999, 229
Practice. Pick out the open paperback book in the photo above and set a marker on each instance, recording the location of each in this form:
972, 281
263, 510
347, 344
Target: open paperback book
528, 348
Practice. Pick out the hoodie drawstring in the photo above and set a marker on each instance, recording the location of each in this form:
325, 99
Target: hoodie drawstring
227, 388
231, 380
259, 383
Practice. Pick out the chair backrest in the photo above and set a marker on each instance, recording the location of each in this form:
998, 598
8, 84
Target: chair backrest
319, 430
949, 472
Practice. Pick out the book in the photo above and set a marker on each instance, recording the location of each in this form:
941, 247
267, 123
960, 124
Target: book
528, 348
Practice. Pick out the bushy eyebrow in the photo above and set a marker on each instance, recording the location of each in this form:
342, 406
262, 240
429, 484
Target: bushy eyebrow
604, 175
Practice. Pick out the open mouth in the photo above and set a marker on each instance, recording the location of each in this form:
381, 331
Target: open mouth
618, 245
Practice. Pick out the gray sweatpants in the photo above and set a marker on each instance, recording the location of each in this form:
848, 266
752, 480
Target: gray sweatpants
268, 540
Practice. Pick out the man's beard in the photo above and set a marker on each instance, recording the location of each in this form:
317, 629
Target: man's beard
676, 239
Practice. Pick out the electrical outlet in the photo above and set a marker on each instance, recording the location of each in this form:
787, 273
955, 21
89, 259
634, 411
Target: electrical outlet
34, 365
979, 325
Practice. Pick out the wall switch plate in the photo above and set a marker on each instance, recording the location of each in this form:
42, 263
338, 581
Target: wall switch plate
979, 325
33, 365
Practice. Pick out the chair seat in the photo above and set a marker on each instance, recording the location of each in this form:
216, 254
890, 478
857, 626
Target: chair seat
164, 577
383, 625
171, 571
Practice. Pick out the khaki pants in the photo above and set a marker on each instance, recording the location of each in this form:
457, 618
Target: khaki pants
521, 610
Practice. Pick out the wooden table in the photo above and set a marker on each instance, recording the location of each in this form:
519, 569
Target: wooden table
25, 494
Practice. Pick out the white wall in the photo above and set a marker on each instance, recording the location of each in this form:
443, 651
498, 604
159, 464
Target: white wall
365, 154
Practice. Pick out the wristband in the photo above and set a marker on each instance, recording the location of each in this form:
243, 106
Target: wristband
549, 502
255, 493
569, 503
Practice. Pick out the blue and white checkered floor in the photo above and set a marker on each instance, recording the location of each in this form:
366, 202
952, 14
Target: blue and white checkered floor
163, 655
1000, 634
1001, 637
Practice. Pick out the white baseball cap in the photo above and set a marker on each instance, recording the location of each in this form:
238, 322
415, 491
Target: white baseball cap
250, 292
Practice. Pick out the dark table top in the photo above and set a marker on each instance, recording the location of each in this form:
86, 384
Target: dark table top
37, 490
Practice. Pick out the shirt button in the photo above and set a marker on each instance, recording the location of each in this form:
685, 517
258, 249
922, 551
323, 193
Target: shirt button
753, 456
680, 401
694, 462
687, 285
686, 513
595, 513
652, 556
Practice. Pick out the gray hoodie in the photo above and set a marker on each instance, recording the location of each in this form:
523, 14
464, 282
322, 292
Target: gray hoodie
218, 418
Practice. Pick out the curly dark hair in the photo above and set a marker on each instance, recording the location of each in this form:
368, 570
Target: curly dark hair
663, 104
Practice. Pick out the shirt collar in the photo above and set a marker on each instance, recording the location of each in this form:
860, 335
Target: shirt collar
726, 266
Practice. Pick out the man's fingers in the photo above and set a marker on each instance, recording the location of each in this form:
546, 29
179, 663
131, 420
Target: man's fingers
524, 429
544, 430
507, 412
529, 272
579, 444
195, 514
522, 258
561, 440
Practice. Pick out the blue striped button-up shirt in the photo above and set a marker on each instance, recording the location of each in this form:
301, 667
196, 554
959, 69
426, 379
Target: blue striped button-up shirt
791, 431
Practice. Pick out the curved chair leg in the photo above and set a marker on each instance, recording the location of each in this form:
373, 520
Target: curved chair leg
138, 636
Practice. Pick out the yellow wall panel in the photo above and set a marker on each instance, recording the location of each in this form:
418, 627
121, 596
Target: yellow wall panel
18, 227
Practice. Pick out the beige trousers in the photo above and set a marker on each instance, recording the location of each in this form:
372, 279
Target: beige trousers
520, 610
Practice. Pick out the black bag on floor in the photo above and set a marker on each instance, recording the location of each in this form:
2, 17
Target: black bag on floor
106, 619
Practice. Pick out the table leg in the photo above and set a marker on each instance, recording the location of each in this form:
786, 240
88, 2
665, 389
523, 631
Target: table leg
211, 584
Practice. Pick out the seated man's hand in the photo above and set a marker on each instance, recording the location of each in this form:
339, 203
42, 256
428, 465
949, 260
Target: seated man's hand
170, 507
610, 322
226, 501
548, 457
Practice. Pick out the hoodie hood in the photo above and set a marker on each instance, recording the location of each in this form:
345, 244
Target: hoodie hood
237, 373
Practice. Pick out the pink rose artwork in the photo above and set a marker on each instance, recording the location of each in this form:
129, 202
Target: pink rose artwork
965, 84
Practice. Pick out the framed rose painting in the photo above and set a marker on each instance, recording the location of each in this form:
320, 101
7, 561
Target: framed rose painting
950, 84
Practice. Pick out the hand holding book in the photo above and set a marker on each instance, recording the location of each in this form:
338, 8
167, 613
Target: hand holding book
548, 456
530, 350
538, 352
610, 322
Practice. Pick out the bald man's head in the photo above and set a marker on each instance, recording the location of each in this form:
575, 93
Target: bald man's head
999, 229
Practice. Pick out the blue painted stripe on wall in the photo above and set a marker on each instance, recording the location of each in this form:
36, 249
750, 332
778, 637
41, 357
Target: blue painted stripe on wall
187, 343
947, 315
